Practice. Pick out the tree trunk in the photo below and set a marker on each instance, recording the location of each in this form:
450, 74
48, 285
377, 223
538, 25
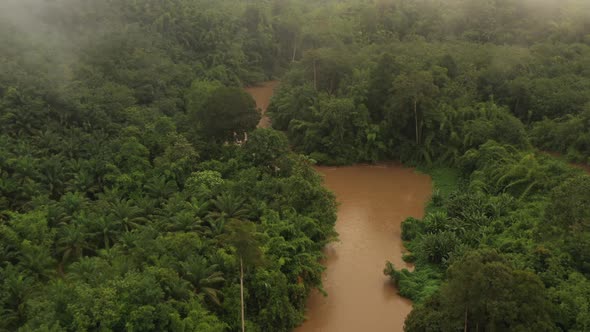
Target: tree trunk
242, 293
294, 51
315, 77
465, 323
416, 120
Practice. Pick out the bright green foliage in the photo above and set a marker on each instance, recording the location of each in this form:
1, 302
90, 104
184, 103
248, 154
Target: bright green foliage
158, 254
418, 285
126, 204
460, 86
532, 209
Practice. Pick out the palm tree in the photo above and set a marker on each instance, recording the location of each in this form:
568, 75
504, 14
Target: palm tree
8, 253
106, 229
126, 213
414, 89
175, 204
231, 211
226, 208
426, 150
38, 260
73, 202
159, 188
184, 221
57, 216
83, 181
72, 243
18, 287
217, 226
198, 207
518, 173
52, 176
204, 277
451, 148
438, 247
147, 205
436, 222
126, 242
87, 270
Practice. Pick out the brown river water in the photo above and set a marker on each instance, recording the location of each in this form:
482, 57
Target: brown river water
262, 94
374, 200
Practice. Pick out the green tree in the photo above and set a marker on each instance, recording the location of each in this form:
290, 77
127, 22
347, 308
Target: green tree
228, 114
17, 288
417, 91
485, 292
72, 242
107, 229
568, 219
242, 236
124, 211
204, 277
266, 147
226, 208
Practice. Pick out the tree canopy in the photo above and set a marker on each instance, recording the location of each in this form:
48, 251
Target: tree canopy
136, 193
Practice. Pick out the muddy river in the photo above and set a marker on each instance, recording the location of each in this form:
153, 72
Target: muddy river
374, 200
262, 94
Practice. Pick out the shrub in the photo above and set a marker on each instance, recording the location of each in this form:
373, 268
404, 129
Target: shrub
411, 228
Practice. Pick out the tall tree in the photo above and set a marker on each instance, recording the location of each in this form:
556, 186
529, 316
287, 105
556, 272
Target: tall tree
416, 90
242, 236
484, 292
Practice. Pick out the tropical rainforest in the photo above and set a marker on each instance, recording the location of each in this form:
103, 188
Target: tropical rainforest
136, 193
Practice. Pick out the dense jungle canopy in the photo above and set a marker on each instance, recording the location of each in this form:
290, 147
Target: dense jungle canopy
130, 199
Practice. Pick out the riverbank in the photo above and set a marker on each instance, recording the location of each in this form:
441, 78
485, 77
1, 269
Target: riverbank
424, 279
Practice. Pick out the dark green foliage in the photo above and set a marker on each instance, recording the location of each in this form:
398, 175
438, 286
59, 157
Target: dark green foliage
125, 203
266, 147
399, 108
411, 228
569, 135
461, 86
437, 198
567, 220
532, 210
143, 252
228, 114
483, 291
438, 247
